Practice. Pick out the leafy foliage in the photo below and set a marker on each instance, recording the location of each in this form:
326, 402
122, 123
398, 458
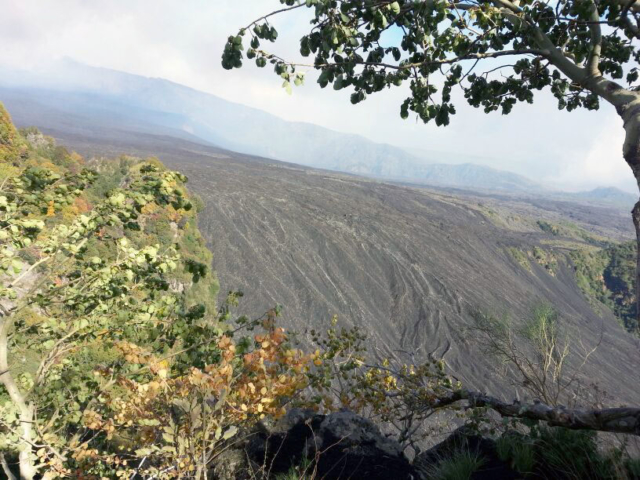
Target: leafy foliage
12, 147
436, 46
81, 274
608, 276
176, 423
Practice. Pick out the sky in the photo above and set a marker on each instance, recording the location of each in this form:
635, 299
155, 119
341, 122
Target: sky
183, 41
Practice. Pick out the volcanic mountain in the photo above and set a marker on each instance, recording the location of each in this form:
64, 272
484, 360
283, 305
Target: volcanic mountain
409, 265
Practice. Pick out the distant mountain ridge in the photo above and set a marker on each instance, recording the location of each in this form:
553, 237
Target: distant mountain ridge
81, 97
152, 105
609, 195
470, 175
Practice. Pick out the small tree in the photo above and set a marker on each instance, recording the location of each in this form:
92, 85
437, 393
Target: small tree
498, 52
175, 425
537, 354
73, 288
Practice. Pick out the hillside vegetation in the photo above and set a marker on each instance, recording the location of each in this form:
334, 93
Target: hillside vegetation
405, 264
608, 275
97, 261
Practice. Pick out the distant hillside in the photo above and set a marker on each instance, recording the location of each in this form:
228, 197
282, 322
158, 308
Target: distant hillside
476, 177
609, 196
74, 93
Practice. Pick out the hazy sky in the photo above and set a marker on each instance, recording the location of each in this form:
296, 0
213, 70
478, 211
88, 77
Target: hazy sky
182, 40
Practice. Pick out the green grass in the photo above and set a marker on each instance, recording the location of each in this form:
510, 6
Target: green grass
574, 453
459, 466
521, 257
633, 467
524, 457
503, 447
304, 471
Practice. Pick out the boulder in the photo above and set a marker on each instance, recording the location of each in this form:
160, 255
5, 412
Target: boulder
232, 464
338, 445
465, 439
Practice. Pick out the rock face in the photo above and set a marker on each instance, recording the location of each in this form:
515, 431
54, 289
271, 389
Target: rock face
231, 464
343, 444
463, 439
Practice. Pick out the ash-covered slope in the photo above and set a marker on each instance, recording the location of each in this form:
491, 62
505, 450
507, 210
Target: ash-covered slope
407, 265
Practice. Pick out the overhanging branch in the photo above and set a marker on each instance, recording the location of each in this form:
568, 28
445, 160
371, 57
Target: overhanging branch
616, 420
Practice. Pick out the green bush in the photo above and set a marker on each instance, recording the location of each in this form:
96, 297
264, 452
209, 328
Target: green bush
608, 276
460, 466
548, 228
574, 453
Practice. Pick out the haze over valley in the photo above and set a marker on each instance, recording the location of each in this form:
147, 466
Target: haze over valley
75, 95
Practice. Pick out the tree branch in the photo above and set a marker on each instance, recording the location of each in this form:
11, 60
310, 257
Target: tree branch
616, 420
596, 41
5, 468
276, 12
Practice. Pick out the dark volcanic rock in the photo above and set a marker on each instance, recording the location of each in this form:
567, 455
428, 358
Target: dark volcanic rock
464, 439
344, 445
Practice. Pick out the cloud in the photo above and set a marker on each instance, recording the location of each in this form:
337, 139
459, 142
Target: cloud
183, 42
602, 164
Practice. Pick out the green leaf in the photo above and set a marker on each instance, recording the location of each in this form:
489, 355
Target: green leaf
231, 431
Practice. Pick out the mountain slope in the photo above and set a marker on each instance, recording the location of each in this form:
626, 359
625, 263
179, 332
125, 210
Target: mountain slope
608, 195
151, 105
477, 177
407, 265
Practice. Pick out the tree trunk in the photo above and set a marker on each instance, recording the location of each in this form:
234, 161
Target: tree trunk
616, 420
28, 469
636, 222
630, 114
26, 458
5, 467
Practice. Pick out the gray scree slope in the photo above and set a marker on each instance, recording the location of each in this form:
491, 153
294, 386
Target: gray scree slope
407, 265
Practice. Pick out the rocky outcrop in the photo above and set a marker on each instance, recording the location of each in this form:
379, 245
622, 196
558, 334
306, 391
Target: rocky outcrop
465, 440
341, 445
335, 446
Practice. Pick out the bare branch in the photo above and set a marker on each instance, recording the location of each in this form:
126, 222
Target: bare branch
616, 420
272, 14
5, 468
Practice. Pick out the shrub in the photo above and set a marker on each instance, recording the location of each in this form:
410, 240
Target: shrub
573, 453
460, 466
523, 455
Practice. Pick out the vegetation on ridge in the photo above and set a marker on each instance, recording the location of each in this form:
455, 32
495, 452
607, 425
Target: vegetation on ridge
608, 276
